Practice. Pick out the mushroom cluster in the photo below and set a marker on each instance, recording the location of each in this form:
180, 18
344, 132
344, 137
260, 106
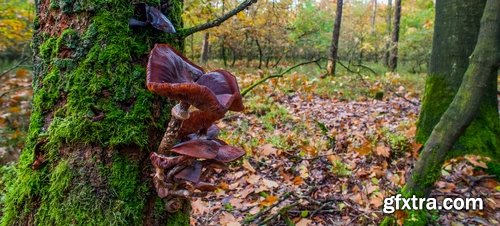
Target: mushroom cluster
203, 99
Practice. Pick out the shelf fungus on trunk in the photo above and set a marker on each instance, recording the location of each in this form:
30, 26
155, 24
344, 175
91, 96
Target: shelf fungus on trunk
153, 17
203, 99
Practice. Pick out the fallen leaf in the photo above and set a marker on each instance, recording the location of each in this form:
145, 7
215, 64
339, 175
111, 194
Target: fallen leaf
382, 150
377, 200
253, 179
248, 166
298, 181
269, 183
304, 222
364, 149
476, 161
199, 207
269, 200
267, 149
228, 219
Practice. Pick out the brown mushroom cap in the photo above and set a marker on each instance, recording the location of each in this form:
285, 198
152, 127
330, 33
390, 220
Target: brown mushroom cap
224, 86
191, 173
158, 20
215, 149
228, 153
205, 149
210, 133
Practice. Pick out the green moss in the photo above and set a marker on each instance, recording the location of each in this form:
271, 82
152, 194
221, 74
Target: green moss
436, 99
482, 136
178, 219
47, 48
388, 221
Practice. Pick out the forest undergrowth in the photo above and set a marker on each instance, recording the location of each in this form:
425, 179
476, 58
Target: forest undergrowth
318, 150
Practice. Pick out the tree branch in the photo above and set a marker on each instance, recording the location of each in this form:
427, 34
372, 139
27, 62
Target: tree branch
246, 90
218, 21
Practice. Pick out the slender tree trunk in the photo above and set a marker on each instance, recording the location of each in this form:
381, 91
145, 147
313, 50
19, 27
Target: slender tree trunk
234, 56
223, 51
205, 48
374, 15
93, 121
332, 58
260, 52
389, 30
393, 59
191, 40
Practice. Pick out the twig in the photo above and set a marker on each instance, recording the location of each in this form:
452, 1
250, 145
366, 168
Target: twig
218, 21
257, 216
249, 88
365, 83
281, 211
13, 67
403, 97
13, 90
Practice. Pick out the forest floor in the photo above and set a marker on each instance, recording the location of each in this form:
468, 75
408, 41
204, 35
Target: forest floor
319, 151
328, 151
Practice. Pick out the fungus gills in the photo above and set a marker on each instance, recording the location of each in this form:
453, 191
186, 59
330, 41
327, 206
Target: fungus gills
203, 99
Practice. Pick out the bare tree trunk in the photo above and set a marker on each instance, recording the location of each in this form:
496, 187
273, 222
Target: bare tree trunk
260, 52
332, 58
393, 59
389, 30
205, 48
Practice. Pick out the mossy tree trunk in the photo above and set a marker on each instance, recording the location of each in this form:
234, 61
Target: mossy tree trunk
468, 104
455, 35
93, 121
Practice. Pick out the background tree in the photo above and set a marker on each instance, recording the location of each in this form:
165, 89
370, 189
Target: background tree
393, 59
332, 58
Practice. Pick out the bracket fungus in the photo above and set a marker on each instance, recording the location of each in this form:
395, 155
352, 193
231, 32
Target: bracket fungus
154, 17
203, 99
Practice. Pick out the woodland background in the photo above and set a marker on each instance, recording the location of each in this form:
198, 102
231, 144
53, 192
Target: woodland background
351, 135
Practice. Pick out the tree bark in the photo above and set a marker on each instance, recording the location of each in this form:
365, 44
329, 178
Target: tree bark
93, 121
456, 31
332, 58
204, 48
478, 79
393, 59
